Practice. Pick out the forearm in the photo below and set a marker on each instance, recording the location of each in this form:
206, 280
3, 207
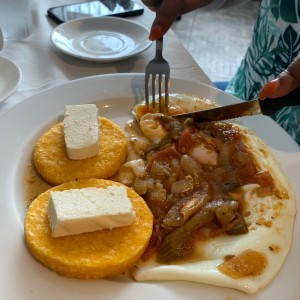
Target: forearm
180, 6
215, 4
170, 9
222, 4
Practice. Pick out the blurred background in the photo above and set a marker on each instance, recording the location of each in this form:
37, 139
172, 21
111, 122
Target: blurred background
217, 40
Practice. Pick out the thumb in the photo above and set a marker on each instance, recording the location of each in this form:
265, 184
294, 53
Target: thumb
165, 15
285, 83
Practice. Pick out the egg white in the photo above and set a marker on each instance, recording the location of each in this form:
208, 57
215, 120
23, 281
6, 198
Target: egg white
270, 226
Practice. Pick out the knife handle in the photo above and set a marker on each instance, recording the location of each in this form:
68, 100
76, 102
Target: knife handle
270, 106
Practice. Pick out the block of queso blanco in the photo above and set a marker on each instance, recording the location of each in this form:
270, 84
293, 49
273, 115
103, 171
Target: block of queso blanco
81, 131
78, 211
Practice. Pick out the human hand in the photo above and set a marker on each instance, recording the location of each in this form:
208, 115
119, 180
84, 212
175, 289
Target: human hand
169, 10
284, 83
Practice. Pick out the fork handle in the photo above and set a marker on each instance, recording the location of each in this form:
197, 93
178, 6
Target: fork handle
159, 47
159, 42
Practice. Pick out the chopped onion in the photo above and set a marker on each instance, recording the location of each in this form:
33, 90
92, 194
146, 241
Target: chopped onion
189, 165
182, 186
187, 206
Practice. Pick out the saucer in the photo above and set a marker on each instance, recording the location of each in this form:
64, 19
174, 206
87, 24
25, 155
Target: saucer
103, 39
10, 78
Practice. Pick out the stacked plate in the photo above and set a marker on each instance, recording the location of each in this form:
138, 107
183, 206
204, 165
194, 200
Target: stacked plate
10, 77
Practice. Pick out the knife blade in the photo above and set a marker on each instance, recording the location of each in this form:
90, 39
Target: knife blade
246, 108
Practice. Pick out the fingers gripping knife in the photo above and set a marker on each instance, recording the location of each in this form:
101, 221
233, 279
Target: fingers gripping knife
246, 108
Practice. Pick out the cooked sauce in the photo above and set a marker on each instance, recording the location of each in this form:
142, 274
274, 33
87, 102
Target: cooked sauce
34, 184
192, 176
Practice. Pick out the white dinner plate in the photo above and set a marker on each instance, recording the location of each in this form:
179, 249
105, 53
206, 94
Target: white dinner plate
10, 77
101, 38
23, 278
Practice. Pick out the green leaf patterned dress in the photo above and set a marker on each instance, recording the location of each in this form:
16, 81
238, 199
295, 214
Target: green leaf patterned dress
275, 43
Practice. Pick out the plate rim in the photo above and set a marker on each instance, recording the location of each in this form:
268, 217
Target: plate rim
18, 80
64, 25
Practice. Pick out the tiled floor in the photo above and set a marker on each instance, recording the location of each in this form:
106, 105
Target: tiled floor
218, 40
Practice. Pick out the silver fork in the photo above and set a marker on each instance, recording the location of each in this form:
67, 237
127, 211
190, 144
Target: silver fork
157, 68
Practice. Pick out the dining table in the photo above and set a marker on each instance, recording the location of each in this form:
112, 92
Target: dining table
48, 76
43, 66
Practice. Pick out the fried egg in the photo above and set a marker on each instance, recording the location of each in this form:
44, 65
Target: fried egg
178, 103
245, 262
270, 224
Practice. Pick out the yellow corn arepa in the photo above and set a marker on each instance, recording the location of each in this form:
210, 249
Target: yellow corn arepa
99, 254
53, 164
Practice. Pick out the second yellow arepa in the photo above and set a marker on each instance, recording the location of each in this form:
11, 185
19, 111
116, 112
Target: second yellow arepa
99, 254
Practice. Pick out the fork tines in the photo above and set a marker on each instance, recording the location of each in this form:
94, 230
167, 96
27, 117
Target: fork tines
157, 90
158, 71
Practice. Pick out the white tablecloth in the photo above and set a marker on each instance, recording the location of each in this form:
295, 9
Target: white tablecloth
43, 66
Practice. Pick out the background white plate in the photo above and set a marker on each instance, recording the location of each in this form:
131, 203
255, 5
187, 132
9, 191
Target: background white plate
23, 278
10, 77
101, 38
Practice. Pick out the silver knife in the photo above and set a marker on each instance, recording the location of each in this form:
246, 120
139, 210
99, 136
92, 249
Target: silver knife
246, 108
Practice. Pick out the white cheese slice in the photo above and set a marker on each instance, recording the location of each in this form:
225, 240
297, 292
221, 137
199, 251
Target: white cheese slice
77, 211
81, 131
